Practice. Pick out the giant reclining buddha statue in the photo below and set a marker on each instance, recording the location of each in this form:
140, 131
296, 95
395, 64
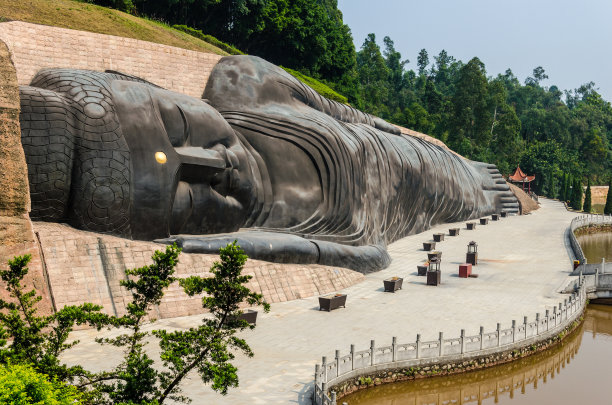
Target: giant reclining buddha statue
261, 158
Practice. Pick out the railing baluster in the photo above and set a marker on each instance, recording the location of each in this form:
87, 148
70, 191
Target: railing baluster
372, 348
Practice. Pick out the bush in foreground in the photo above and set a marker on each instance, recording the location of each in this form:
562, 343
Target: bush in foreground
207, 349
20, 384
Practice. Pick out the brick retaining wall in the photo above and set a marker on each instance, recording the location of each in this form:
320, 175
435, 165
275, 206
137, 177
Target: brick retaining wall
87, 267
35, 47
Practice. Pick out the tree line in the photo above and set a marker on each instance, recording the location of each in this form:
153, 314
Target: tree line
550, 132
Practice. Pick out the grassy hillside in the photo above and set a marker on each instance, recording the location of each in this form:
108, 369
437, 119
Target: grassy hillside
317, 86
87, 17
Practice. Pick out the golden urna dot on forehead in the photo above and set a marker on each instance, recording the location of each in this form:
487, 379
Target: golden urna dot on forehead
160, 157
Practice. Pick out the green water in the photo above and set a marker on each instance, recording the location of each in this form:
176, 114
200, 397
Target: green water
575, 372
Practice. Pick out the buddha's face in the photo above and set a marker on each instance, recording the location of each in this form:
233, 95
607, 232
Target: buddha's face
189, 171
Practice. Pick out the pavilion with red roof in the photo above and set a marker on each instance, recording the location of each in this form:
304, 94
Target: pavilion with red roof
520, 177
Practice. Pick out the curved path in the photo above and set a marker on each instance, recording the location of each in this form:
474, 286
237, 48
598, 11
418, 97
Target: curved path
523, 262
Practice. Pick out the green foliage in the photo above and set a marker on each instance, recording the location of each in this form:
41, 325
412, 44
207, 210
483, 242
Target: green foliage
208, 38
373, 74
122, 5
136, 380
608, 206
301, 34
317, 86
576, 200
562, 186
470, 119
21, 384
26, 337
550, 184
365, 381
208, 348
587, 197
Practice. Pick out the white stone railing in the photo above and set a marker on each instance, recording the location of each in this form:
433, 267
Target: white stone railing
580, 222
458, 349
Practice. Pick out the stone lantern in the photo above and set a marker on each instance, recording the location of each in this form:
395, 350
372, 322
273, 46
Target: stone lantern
434, 273
472, 253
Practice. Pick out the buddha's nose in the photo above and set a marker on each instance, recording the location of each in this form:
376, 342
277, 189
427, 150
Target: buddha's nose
199, 165
198, 156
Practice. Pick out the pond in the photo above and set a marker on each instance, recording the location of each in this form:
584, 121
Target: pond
596, 245
576, 371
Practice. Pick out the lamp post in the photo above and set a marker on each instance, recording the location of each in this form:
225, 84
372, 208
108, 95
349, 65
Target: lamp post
472, 253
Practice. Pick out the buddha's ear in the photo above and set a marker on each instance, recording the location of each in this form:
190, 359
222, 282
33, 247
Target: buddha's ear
49, 127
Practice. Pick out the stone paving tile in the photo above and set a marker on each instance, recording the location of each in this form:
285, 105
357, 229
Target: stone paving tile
523, 262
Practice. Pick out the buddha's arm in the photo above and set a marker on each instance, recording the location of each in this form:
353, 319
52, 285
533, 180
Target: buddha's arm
287, 248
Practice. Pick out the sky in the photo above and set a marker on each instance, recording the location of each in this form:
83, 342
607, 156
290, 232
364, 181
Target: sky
571, 40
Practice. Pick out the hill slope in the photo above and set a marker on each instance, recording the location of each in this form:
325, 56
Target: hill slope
88, 17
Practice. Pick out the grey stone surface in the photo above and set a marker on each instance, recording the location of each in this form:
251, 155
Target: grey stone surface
524, 262
327, 183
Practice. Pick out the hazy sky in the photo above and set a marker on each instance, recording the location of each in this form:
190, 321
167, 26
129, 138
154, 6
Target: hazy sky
571, 40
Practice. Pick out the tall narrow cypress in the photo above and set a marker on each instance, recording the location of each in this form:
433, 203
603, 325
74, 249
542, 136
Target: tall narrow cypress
577, 195
551, 184
562, 187
587, 197
608, 206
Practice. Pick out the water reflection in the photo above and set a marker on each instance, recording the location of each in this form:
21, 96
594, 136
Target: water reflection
551, 377
596, 245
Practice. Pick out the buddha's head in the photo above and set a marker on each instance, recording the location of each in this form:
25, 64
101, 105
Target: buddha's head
188, 171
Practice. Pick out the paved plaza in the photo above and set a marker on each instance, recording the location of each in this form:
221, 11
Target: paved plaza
523, 262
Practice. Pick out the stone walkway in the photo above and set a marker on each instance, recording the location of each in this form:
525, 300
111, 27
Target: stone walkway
523, 262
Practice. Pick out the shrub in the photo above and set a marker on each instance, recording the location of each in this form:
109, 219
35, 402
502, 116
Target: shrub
20, 384
208, 38
587, 197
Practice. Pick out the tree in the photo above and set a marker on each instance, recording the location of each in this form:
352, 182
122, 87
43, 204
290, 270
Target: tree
538, 76
568, 189
422, 61
551, 192
608, 206
26, 337
207, 348
562, 186
373, 75
471, 118
577, 195
587, 197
